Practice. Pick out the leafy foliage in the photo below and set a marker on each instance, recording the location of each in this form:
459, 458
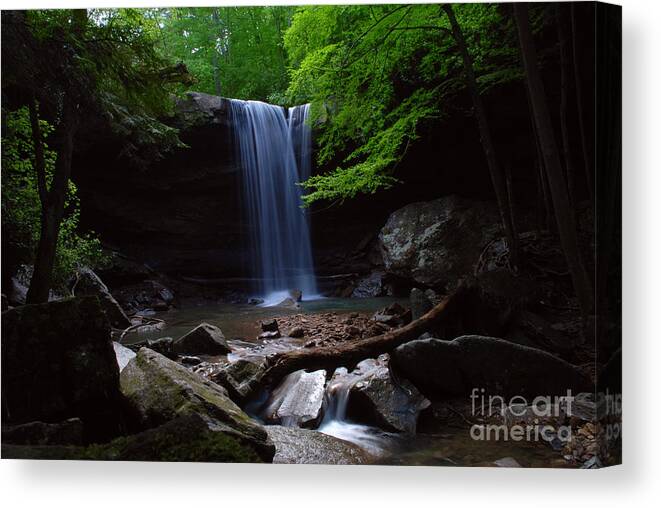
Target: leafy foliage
376, 74
21, 208
233, 51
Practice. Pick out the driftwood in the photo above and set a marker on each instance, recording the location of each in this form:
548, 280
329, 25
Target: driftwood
348, 354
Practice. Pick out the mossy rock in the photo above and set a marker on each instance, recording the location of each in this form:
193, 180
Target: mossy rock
185, 439
161, 390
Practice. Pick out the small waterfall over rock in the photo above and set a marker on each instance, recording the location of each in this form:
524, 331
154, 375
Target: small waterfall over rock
280, 237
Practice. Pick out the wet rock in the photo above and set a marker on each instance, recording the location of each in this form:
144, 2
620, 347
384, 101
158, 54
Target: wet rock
204, 339
441, 368
189, 438
420, 303
269, 335
375, 398
507, 462
296, 295
123, 354
58, 362
371, 286
269, 326
296, 332
68, 432
297, 401
289, 303
255, 301
436, 243
190, 360
303, 446
162, 345
89, 283
149, 294
393, 315
161, 390
241, 377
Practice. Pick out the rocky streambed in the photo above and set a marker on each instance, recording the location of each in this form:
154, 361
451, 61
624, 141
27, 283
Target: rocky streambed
192, 391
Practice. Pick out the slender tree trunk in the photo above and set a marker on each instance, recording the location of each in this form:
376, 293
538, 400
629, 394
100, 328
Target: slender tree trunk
52, 209
557, 184
587, 160
215, 64
497, 177
565, 57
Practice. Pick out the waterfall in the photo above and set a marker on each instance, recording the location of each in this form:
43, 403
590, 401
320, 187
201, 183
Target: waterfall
280, 236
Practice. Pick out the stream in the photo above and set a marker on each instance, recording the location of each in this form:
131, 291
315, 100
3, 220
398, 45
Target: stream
453, 446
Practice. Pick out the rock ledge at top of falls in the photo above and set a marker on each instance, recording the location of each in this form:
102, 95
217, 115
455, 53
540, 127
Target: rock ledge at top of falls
436, 243
200, 109
161, 390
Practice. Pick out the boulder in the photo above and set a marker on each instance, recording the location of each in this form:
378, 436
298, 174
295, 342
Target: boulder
123, 354
269, 326
289, 303
204, 339
58, 362
296, 295
303, 446
377, 399
441, 368
68, 432
162, 345
89, 283
297, 332
371, 286
161, 390
241, 377
189, 438
297, 401
148, 294
436, 243
420, 303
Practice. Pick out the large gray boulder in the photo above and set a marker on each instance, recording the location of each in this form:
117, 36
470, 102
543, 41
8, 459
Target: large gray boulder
89, 283
436, 243
204, 339
442, 368
161, 390
297, 401
303, 446
58, 362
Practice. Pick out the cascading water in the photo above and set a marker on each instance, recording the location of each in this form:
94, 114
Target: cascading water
282, 255
336, 423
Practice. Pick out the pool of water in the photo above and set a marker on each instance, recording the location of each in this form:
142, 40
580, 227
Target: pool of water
241, 321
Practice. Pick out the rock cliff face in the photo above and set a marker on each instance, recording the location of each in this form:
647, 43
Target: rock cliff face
183, 214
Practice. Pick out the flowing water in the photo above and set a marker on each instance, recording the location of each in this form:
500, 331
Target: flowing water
280, 237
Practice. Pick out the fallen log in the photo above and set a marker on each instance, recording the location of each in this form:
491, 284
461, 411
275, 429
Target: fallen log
348, 354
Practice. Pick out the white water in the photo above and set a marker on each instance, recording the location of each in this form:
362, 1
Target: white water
280, 237
335, 422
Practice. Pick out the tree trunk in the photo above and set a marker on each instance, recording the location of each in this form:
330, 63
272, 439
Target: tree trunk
563, 38
214, 55
557, 185
348, 354
587, 160
52, 209
497, 177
